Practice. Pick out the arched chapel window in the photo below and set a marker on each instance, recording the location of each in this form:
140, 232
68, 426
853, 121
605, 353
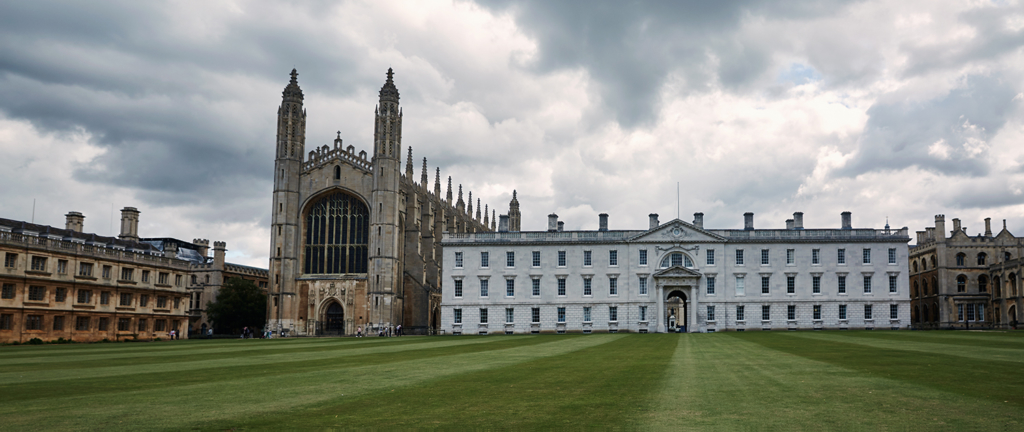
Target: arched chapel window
337, 231
961, 283
676, 259
337, 172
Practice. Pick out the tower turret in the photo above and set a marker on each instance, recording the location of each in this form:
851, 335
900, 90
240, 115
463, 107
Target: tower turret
514, 217
384, 283
478, 209
408, 165
423, 177
469, 206
460, 205
437, 183
487, 213
448, 198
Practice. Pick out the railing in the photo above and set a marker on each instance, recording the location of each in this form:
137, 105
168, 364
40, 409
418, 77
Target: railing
558, 236
816, 234
15, 239
750, 235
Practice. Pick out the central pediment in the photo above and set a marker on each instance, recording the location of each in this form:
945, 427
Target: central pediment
677, 272
677, 231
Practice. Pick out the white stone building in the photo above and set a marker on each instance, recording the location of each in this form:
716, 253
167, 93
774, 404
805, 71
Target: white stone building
675, 276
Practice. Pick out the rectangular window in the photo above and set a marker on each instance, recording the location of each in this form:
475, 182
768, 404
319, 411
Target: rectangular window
711, 313
765, 285
177, 281
126, 299
841, 256
842, 312
37, 293
485, 259
766, 313
739, 256
536, 287
711, 285
791, 312
104, 324
124, 324
613, 313
8, 291
510, 259
586, 314
561, 258
970, 312
177, 302
739, 286
739, 313
892, 255
10, 260
894, 312
613, 286
60, 295
535, 315
483, 287
144, 300
160, 325
458, 288
867, 312
867, 284
106, 272
816, 284
536, 258
815, 256
510, 315
161, 302
34, 322
790, 256
457, 316
62, 266
127, 273
764, 256
892, 284
817, 312
561, 314
842, 284
58, 323
458, 260
613, 257
39, 263
6, 322
960, 312
82, 323
483, 315
790, 284
145, 275
643, 285
561, 286
586, 287
587, 258
85, 269
105, 298
162, 278
643, 257
867, 256
710, 257
510, 287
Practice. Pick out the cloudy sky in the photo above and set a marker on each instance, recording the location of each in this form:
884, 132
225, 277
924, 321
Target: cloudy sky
898, 109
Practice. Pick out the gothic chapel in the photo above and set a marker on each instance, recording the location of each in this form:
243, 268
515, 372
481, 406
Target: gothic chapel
354, 240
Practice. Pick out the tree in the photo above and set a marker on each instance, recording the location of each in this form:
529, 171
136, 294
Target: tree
240, 303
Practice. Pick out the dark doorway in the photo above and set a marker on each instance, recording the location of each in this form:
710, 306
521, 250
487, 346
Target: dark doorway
675, 312
334, 319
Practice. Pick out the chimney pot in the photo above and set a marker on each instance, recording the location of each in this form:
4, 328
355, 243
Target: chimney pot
748, 221
503, 223
561, 225
789, 224
698, 220
75, 221
847, 220
602, 222
798, 220
940, 228
956, 225
988, 227
129, 224
654, 220
552, 222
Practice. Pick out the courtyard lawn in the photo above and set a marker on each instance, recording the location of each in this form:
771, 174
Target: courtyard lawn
802, 380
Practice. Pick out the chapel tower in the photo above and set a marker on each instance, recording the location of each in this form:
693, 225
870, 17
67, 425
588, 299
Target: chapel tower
384, 280
284, 233
514, 217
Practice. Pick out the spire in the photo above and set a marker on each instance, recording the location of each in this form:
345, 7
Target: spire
408, 165
389, 92
487, 213
449, 197
460, 205
437, 183
469, 209
292, 91
423, 178
478, 209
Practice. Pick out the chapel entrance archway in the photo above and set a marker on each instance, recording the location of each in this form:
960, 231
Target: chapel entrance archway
334, 319
676, 313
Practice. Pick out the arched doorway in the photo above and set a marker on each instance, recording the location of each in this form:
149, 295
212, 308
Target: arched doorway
1011, 316
676, 315
435, 320
334, 319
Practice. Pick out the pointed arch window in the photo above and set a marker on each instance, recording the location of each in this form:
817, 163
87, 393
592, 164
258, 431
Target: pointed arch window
961, 283
337, 230
961, 259
337, 172
676, 259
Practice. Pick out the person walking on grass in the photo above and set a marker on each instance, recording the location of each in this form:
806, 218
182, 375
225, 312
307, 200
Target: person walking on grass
359, 331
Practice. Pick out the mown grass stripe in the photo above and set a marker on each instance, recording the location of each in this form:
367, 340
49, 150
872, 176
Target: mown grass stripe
930, 345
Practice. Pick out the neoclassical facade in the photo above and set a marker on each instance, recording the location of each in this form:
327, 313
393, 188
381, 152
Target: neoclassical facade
354, 239
676, 276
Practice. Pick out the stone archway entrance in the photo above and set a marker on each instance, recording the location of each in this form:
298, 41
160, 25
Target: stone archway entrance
334, 319
676, 313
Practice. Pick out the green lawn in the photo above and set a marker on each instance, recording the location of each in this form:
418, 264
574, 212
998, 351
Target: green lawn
802, 380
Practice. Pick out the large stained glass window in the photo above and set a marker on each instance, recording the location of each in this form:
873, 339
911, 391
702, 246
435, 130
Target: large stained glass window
337, 232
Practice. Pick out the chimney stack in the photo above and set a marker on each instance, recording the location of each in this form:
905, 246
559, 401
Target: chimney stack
219, 248
956, 225
503, 223
561, 225
748, 221
698, 220
988, 227
654, 220
798, 220
940, 227
75, 221
552, 222
602, 224
847, 220
789, 224
129, 224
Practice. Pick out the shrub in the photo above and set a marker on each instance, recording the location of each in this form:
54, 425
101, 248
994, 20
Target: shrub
35, 341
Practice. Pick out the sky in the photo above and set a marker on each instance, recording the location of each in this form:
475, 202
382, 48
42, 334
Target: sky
893, 110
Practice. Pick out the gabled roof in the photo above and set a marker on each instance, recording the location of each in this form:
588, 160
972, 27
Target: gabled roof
676, 230
677, 271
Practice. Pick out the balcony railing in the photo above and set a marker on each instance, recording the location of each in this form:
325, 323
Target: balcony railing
61, 246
